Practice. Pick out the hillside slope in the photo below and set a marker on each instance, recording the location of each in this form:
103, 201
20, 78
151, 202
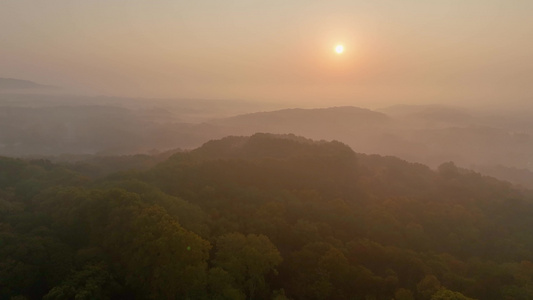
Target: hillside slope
264, 217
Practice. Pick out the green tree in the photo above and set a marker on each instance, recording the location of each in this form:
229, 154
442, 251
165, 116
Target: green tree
446, 294
428, 286
92, 282
403, 294
248, 259
156, 256
221, 285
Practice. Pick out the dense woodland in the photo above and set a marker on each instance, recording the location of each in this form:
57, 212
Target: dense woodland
261, 217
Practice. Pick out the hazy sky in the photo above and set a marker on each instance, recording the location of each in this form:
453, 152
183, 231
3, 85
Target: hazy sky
413, 51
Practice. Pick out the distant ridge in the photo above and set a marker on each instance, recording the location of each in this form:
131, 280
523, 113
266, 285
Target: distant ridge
330, 115
360, 128
19, 84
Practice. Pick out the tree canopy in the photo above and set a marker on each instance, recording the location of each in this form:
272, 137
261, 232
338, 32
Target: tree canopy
263, 217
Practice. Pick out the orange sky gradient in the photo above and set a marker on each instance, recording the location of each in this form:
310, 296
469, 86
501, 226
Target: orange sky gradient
468, 51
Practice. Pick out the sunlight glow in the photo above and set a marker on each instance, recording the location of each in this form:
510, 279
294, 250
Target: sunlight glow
339, 49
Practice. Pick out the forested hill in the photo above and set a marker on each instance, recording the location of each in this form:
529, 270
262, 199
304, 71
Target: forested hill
315, 121
263, 217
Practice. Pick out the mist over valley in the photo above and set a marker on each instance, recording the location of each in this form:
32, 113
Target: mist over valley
493, 142
266, 150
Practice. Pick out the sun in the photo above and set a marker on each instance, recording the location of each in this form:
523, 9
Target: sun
339, 49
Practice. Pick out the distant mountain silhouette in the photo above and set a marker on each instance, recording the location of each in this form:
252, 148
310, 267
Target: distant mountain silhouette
346, 115
19, 84
320, 123
360, 128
